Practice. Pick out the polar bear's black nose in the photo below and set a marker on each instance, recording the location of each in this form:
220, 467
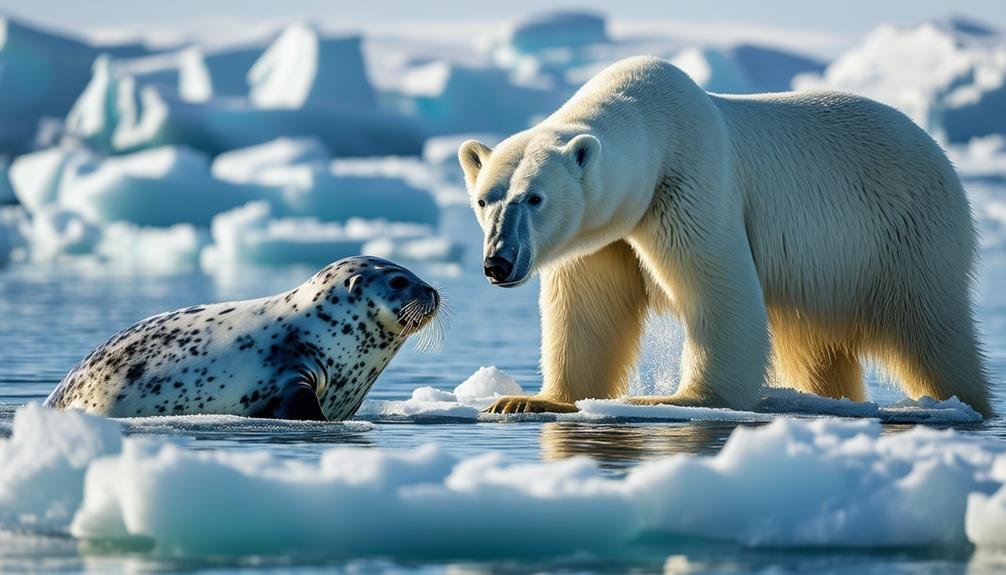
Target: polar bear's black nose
497, 268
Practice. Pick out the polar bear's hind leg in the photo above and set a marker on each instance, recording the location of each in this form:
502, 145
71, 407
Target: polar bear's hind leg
936, 353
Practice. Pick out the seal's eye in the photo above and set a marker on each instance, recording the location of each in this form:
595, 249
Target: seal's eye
398, 283
534, 199
482, 203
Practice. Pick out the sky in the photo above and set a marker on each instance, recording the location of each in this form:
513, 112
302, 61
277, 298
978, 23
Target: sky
835, 22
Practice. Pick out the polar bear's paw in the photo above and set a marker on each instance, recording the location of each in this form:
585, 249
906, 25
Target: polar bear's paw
528, 404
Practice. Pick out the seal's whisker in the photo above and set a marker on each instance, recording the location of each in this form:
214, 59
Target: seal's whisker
433, 334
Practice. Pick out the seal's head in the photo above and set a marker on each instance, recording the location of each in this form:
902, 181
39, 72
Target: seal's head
390, 295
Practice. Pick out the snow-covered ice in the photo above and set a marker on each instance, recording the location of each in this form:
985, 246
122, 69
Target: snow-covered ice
467, 400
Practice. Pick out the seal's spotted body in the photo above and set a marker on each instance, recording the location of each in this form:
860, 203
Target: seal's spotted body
309, 353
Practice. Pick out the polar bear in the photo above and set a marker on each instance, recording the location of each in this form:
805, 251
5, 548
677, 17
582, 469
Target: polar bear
793, 235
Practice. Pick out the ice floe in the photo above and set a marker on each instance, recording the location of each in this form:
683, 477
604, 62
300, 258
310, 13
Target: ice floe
466, 401
42, 465
790, 483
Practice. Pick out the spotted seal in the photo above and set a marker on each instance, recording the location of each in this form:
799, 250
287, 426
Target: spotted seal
310, 353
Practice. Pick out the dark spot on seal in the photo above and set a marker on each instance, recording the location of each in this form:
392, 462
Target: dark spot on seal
136, 371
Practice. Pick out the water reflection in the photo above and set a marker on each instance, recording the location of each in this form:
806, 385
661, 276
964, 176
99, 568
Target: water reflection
623, 445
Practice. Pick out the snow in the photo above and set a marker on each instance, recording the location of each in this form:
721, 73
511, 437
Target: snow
465, 402
823, 483
301, 68
487, 382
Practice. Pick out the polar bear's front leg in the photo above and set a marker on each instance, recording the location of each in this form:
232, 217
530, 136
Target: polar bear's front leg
719, 301
592, 316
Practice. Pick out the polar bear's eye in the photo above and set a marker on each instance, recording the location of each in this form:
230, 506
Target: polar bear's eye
534, 199
482, 203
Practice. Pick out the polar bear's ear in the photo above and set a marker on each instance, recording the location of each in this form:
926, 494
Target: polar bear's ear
472, 155
584, 150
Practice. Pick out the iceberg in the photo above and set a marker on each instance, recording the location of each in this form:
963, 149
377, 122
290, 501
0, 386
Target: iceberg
36, 177
303, 85
149, 250
946, 75
247, 164
156, 187
744, 68
116, 111
541, 47
56, 231
454, 98
41, 74
157, 118
550, 30
301, 67
254, 235
321, 192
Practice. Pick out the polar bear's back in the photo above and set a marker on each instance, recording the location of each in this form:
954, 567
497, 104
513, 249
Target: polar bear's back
844, 191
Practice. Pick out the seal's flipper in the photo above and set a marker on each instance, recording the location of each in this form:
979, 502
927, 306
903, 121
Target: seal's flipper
299, 402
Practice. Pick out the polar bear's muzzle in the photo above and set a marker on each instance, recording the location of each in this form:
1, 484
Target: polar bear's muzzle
508, 255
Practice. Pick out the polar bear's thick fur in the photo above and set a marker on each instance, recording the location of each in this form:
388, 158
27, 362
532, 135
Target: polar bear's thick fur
794, 235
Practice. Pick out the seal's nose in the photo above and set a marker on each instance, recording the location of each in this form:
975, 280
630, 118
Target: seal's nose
497, 268
432, 295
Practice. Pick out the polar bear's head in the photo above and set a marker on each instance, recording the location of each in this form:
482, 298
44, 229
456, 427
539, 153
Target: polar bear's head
530, 196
